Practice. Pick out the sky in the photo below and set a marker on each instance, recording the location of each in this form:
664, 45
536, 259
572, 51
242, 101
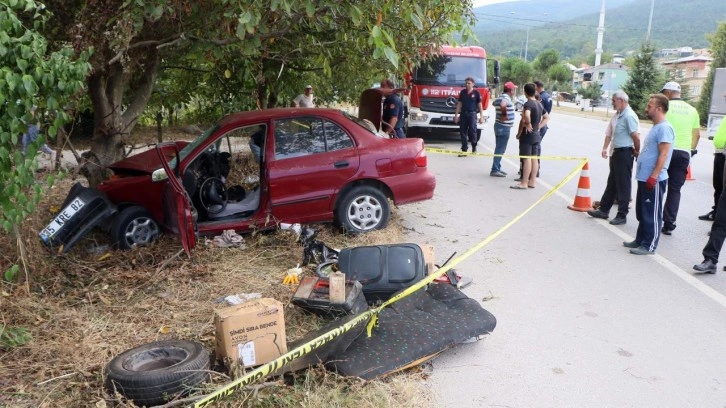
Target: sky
479, 3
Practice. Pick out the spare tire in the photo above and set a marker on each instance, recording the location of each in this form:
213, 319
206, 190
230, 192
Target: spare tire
154, 373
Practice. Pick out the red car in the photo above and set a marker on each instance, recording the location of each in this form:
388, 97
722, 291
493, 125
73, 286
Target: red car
251, 171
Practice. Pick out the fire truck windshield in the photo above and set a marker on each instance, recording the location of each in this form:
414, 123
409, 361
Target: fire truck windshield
451, 71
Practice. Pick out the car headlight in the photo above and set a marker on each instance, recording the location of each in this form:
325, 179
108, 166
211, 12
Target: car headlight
418, 116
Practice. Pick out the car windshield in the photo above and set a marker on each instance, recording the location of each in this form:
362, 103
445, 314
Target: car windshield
446, 70
193, 145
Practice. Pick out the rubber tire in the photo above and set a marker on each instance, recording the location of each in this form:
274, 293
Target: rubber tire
365, 198
133, 217
154, 373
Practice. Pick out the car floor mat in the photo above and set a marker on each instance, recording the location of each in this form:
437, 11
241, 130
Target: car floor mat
413, 330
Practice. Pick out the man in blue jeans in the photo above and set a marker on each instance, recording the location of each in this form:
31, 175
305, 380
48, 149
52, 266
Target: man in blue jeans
502, 127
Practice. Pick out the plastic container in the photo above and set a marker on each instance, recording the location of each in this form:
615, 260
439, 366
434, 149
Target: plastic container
313, 295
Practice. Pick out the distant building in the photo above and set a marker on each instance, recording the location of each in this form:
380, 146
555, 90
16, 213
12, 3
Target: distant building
690, 72
611, 76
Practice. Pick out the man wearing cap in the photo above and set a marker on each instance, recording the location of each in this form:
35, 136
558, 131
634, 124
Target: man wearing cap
546, 102
502, 127
470, 103
686, 123
392, 117
305, 100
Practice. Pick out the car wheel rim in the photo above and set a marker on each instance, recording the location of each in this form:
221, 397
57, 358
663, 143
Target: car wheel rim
141, 231
365, 213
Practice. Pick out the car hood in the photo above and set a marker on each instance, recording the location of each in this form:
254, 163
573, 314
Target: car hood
141, 163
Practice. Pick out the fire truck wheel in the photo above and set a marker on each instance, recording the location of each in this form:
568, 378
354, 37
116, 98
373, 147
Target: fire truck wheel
154, 373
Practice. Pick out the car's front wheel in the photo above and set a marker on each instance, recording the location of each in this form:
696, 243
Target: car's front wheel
134, 226
362, 209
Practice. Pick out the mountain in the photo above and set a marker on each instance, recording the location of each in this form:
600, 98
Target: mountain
507, 29
507, 15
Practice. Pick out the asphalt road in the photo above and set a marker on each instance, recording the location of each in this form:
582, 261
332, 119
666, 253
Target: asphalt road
580, 321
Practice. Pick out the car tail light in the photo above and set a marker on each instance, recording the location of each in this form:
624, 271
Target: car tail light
421, 160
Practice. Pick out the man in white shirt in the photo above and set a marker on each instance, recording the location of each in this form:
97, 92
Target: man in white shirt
305, 100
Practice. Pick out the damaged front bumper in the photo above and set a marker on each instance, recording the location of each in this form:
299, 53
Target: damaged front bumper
83, 209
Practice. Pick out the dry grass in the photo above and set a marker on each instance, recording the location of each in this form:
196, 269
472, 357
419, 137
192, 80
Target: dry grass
84, 308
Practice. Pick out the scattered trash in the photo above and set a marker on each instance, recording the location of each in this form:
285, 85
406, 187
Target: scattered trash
314, 295
292, 276
229, 238
239, 298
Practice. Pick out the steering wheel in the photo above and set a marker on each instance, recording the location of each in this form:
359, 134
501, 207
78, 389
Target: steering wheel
213, 195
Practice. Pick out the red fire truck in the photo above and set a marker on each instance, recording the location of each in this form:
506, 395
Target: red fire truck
433, 87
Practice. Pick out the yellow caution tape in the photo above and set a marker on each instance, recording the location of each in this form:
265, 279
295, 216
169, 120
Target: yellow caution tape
372, 315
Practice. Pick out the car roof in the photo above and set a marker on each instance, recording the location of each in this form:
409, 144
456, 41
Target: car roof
276, 113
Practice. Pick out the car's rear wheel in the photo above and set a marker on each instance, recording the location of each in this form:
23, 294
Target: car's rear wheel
363, 208
134, 226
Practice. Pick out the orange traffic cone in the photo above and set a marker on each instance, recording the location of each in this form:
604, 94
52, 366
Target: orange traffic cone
582, 199
688, 175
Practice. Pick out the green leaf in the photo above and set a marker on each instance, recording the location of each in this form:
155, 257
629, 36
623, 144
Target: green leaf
391, 56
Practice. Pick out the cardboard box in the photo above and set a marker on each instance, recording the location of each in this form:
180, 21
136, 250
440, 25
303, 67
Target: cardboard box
253, 332
429, 257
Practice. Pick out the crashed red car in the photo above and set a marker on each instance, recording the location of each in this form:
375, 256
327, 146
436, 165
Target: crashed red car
253, 170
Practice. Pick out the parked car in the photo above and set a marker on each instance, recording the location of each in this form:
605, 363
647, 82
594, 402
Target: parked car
313, 165
519, 103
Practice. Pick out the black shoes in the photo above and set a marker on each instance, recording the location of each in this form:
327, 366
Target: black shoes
618, 220
707, 266
668, 228
599, 214
708, 217
631, 244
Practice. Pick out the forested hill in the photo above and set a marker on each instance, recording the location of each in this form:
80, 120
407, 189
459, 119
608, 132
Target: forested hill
676, 23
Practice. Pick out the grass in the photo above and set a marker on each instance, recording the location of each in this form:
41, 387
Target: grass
86, 306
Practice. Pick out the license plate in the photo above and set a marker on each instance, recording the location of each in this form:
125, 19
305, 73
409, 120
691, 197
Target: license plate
447, 118
62, 218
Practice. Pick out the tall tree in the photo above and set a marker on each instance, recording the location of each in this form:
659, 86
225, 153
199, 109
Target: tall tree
31, 76
545, 60
645, 78
516, 70
132, 38
718, 52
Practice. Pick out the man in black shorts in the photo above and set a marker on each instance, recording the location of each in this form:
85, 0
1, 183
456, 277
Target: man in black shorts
533, 119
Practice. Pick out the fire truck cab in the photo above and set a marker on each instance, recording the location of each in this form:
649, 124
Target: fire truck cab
433, 87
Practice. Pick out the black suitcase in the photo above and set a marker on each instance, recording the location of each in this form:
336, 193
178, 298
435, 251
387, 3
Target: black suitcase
383, 269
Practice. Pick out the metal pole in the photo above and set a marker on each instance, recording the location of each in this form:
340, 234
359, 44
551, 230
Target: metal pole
650, 21
526, 46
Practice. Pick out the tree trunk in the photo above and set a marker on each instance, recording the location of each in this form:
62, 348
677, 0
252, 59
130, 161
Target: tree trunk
114, 118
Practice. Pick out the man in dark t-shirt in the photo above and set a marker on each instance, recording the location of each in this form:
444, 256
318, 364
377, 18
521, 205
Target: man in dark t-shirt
470, 103
392, 116
533, 119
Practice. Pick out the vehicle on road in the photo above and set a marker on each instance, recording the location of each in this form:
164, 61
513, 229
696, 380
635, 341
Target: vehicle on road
519, 103
433, 87
253, 170
717, 110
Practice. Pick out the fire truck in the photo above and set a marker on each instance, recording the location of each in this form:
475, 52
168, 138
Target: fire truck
432, 88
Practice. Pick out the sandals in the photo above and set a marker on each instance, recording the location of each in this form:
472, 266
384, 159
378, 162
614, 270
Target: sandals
518, 187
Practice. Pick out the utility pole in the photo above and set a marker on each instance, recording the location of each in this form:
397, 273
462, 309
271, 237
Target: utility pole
650, 20
526, 45
600, 31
